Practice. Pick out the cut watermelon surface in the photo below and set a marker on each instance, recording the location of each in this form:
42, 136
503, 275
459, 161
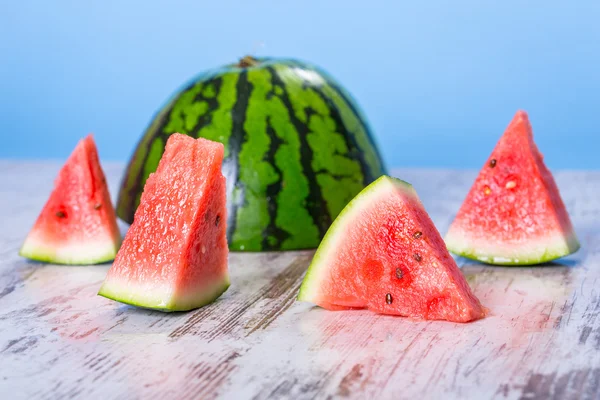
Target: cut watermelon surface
513, 214
174, 256
77, 224
384, 253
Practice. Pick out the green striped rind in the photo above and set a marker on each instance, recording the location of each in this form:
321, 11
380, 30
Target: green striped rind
162, 299
195, 100
532, 252
297, 150
309, 290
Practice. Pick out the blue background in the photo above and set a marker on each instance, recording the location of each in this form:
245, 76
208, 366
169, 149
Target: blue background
438, 80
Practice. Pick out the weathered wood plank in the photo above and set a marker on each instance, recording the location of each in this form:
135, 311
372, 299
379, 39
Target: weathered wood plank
59, 340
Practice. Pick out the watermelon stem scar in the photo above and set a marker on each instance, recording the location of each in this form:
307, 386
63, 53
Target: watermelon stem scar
383, 253
248, 61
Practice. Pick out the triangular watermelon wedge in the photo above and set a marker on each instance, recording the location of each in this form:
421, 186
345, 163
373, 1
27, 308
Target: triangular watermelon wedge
174, 256
384, 253
78, 223
513, 214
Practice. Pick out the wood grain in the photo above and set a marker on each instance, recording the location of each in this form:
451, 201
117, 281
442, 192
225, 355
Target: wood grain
59, 340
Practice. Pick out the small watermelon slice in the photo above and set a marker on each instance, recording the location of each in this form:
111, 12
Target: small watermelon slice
513, 214
384, 253
78, 223
174, 256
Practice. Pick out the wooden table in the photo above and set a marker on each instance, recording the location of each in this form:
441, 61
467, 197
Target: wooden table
58, 339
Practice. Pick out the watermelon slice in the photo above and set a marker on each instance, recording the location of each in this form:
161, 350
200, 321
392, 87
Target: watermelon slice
383, 253
78, 223
513, 214
174, 256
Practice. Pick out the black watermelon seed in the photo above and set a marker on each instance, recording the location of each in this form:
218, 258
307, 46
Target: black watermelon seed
97, 206
418, 234
217, 220
399, 273
492, 163
388, 298
417, 257
60, 214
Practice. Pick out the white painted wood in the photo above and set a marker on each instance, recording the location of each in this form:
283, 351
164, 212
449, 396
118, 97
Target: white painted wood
59, 340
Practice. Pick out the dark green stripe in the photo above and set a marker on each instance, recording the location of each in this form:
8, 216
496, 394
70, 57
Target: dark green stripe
133, 182
176, 122
221, 122
354, 150
379, 168
213, 104
315, 203
186, 111
273, 235
236, 141
338, 175
376, 167
256, 174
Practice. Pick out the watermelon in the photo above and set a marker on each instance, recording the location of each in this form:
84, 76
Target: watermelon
513, 214
383, 253
174, 256
297, 149
78, 224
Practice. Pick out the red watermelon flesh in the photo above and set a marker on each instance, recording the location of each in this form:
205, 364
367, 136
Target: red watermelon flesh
174, 256
383, 253
77, 224
513, 214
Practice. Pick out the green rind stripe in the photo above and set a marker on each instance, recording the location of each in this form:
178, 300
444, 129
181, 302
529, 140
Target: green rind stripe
194, 110
183, 118
273, 235
351, 115
313, 201
353, 148
257, 174
338, 169
342, 171
353, 120
221, 123
133, 181
235, 187
154, 154
187, 113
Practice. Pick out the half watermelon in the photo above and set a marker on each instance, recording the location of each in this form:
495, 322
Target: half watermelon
174, 256
77, 224
384, 253
513, 214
